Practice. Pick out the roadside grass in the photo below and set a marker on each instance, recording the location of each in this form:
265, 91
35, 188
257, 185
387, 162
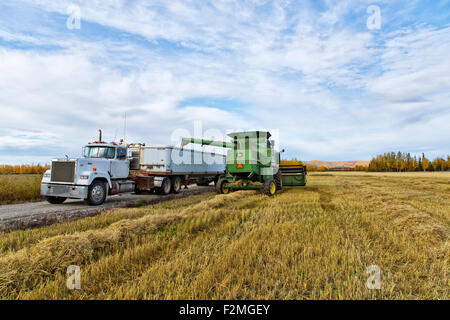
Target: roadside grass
16, 188
312, 242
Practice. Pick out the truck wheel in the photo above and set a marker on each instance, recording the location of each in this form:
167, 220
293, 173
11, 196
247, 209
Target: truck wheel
166, 186
96, 193
176, 184
220, 186
55, 200
270, 187
278, 180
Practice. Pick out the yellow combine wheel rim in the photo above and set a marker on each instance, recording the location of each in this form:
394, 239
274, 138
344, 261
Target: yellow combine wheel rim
225, 190
273, 187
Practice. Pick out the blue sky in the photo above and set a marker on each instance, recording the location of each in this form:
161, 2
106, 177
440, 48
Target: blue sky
312, 71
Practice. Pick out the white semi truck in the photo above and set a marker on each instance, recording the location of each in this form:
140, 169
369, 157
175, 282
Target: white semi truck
113, 168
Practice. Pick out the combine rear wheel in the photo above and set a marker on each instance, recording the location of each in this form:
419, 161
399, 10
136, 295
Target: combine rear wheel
270, 187
220, 186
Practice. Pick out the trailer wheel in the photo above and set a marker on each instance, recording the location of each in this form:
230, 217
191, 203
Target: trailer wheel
166, 186
270, 187
55, 200
176, 184
220, 186
278, 180
96, 193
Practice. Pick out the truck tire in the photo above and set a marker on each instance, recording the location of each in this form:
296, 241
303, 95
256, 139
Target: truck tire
278, 180
166, 187
220, 186
270, 187
96, 193
176, 184
55, 200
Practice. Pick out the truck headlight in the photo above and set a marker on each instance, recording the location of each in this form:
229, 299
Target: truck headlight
47, 175
84, 177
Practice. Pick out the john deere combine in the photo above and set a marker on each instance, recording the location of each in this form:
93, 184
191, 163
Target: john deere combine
252, 162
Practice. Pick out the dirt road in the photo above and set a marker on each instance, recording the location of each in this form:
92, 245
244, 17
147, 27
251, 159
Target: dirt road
36, 214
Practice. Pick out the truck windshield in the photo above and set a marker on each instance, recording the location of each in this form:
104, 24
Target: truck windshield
99, 152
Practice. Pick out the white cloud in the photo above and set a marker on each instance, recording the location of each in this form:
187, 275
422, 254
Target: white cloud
334, 92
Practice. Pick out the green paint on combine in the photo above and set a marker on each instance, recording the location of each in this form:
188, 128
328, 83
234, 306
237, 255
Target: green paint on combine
252, 162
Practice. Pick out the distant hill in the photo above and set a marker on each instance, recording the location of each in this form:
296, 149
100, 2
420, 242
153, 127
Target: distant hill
337, 164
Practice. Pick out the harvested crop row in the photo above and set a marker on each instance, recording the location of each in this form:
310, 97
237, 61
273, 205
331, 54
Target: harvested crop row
53, 255
314, 242
15, 240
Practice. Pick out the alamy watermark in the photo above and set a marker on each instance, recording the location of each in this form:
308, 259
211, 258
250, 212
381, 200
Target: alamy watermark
250, 146
74, 20
374, 20
74, 279
374, 280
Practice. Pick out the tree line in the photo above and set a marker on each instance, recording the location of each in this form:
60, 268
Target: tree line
402, 161
394, 162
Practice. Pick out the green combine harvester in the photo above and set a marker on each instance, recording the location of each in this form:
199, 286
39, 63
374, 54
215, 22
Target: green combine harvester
252, 163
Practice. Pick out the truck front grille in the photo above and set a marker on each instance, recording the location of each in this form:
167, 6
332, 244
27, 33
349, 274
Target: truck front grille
63, 171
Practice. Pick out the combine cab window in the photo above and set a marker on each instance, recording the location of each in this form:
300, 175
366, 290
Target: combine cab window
99, 152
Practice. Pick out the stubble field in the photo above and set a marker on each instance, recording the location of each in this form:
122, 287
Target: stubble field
312, 242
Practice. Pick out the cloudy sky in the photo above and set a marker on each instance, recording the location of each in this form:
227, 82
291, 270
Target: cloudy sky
333, 80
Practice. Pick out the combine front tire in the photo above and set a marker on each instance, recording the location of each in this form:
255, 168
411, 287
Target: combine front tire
270, 187
55, 200
220, 186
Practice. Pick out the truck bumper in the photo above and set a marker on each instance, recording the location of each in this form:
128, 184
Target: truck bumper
65, 191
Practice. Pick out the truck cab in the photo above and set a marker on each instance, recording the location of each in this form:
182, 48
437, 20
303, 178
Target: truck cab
103, 169
111, 156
